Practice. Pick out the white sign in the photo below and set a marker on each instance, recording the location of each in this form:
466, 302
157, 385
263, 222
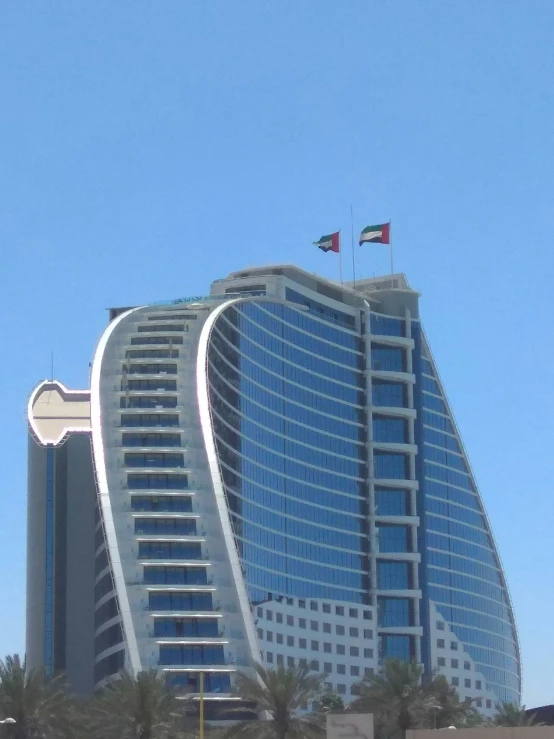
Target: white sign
349, 726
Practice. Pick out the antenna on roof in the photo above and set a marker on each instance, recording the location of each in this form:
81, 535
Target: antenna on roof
52, 365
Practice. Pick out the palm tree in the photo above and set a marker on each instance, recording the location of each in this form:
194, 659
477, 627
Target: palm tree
142, 708
395, 696
510, 714
279, 694
400, 699
40, 706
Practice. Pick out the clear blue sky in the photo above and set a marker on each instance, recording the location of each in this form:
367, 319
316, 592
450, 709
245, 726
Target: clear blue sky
149, 147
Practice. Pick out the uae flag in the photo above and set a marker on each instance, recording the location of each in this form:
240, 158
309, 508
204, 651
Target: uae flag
376, 234
331, 242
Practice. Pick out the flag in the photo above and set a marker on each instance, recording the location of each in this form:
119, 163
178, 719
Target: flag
331, 242
376, 234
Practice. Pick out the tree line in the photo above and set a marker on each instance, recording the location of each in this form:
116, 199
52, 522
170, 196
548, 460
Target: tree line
272, 706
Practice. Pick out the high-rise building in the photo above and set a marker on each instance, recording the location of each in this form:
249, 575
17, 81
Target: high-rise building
270, 473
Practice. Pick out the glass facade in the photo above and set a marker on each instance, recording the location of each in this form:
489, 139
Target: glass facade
287, 396
290, 408
462, 570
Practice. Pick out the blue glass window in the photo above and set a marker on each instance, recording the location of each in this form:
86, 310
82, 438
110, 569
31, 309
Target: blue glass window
186, 627
431, 386
393, 538
148, 401
155, 481
391, 502
152, 369
388, 394
149, 419
154, 459
191, 654
396, 646
175, 601
438, 422
385, 358
160, 383
390, 466
395, 612
110, 665
142, 340
386, 325
151, 327
321, 310
213, 682
433, 403
152, 354
162, 503
171, 526
389, 430
108, 638
175, 575
169, 550
393, 575
146, 440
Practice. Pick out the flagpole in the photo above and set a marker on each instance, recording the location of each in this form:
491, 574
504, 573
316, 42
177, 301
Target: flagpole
352, 235
340, 258
391, 256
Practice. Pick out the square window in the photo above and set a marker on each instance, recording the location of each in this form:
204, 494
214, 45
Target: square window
440, 643
261, 633
354, 671
441, 662
455, 681
280, 660
314, 665
269, 635
315, 646
479, 703
290, 621
354, 652
368, 653
339, 610
279, 638
467, 665
326, 628
314, 625
353, 631
440, 625
326, 608
260, 612
302, 623
313, 605
327, 667
290, 661
327, 647
302, 643
341, 689
290, 641
340, 649
269, 615
340, 630
279, 618
454, 663
290, 601
368, 671
467, 683
454, 645
353, 612
489, 704
478, 684
341, 669
269, 657
368, 616
368, 634
301, 604
303, 662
